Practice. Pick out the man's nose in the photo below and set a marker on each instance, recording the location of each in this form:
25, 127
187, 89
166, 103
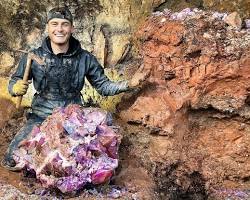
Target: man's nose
59, 28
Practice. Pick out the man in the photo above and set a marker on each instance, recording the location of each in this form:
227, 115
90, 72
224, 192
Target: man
59, 81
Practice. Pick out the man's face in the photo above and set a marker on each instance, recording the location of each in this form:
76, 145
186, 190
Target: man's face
60, 31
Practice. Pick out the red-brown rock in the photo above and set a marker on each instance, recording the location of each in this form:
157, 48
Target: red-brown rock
198, 96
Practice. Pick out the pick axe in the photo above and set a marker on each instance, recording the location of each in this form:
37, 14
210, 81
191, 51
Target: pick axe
30, 57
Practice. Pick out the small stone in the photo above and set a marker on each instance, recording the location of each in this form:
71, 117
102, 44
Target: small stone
234, 20
196, 10
134, 197
242, 127
207, 36
218, 15
247, 23
157, 13
163, 20
167, 12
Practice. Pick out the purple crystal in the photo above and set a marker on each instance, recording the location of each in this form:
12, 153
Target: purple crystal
74, 146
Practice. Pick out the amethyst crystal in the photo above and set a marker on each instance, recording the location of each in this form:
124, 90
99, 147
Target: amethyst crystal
72, 147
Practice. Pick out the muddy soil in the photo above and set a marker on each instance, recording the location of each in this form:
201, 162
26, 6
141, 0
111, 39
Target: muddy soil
147, 149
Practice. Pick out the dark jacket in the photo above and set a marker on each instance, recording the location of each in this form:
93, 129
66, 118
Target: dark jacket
60, 81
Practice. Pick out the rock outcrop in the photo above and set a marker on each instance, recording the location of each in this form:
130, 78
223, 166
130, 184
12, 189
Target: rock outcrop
195, 104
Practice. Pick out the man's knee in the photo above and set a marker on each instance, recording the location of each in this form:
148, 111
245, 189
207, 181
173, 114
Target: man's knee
23, 133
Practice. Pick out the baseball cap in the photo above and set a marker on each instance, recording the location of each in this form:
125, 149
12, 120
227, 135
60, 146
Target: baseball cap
60, 12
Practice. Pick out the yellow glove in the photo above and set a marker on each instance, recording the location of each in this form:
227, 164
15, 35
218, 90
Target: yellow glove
20, 87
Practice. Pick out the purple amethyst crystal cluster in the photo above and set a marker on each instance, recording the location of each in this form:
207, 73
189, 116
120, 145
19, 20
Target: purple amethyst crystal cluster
74, 146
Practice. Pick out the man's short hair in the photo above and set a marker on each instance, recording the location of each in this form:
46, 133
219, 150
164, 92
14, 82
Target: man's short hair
60, 12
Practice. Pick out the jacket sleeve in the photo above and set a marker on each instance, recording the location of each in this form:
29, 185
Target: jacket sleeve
18, 75
101, 82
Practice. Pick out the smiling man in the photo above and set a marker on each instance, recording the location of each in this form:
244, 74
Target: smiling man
60, 31
60, 80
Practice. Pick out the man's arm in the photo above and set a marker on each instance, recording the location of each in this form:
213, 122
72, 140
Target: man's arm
101, 82
17, 77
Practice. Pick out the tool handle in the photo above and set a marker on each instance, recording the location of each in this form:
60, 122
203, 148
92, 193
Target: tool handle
25, 78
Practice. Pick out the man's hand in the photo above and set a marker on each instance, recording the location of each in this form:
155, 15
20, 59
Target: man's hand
20, 87
139, 77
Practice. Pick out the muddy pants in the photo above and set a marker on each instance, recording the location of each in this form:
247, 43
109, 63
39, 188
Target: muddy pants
22, 135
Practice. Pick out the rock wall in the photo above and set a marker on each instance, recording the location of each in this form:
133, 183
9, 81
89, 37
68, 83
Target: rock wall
195, 104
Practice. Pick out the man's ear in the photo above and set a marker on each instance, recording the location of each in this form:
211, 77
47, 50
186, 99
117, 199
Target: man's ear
46, 29
72, 29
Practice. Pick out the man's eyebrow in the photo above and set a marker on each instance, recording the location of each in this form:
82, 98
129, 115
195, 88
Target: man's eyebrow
66, 23
55, 22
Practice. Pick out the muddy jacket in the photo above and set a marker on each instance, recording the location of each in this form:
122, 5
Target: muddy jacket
59, 82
